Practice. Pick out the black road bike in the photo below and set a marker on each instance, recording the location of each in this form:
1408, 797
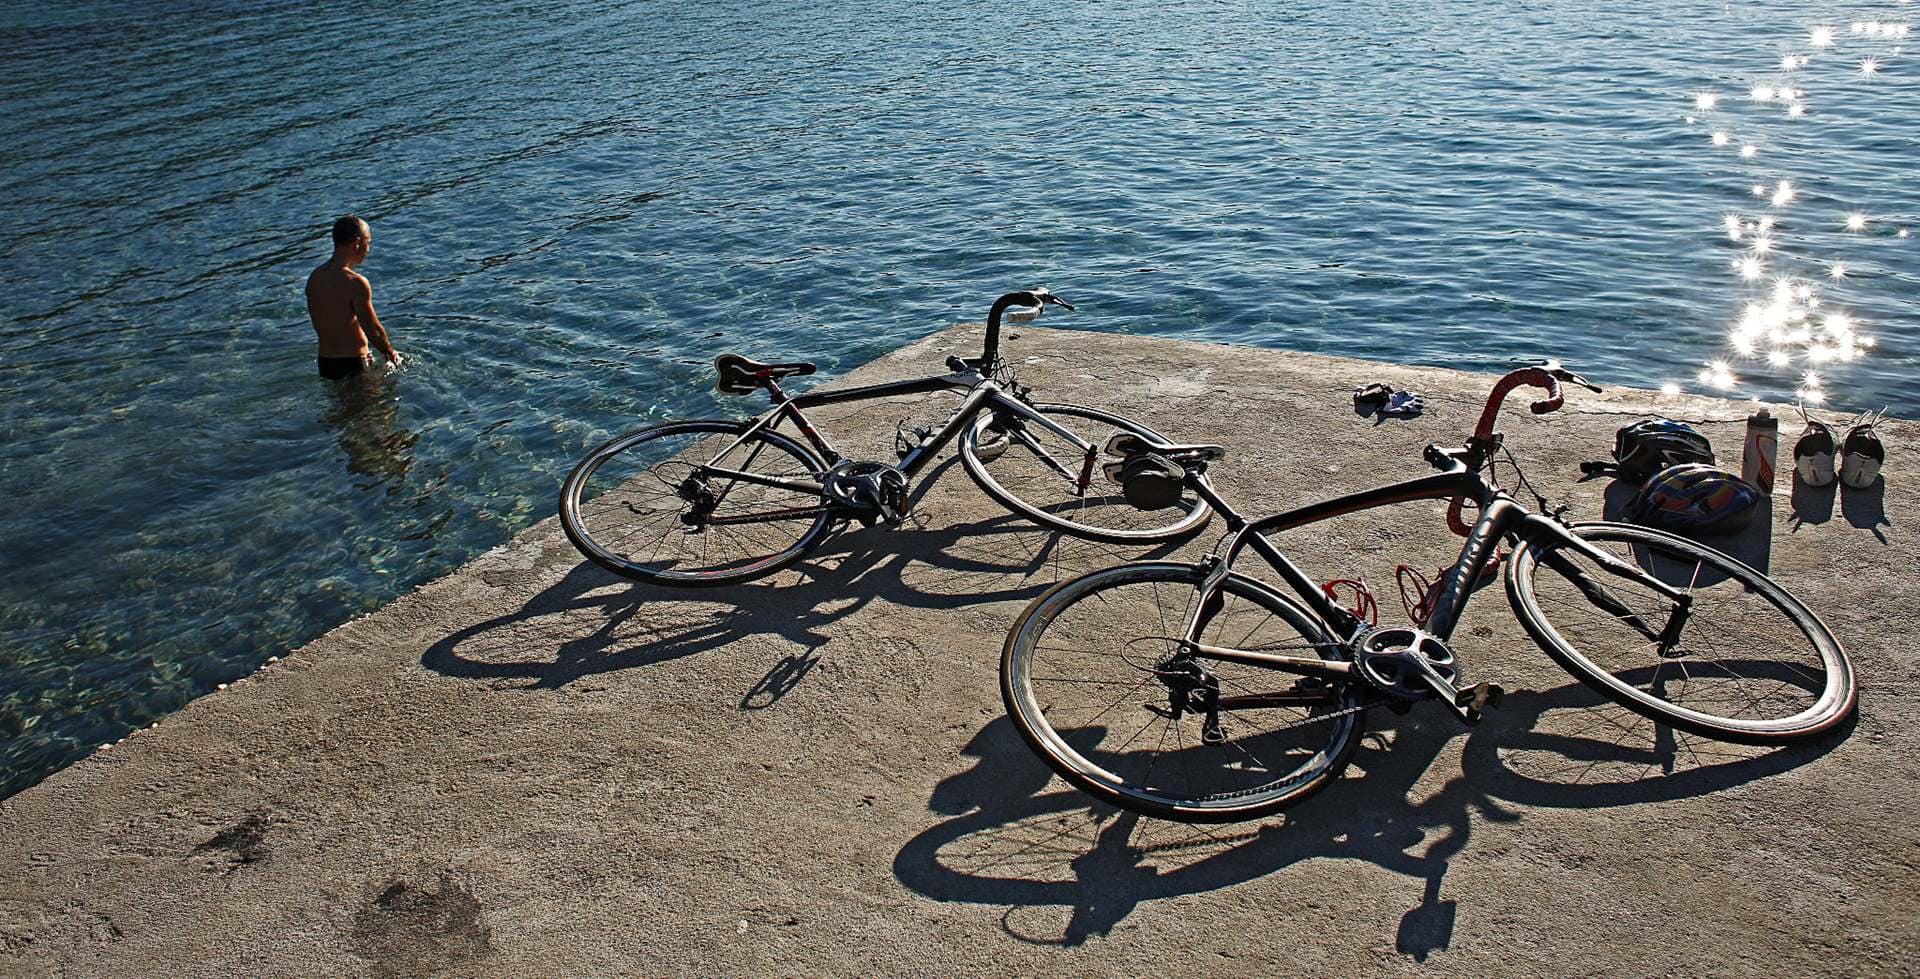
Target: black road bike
1194, 693
715, 501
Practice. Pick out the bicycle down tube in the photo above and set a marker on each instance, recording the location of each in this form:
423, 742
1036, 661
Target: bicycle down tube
979, 395
1501, 517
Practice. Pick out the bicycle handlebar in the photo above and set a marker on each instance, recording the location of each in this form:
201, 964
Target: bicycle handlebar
1039, 299
1547, 378
1538, 377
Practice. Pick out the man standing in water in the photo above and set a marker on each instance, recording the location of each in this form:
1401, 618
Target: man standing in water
340, 301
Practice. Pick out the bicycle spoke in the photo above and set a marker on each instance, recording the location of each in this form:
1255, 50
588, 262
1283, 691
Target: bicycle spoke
1112, 651
1733, 660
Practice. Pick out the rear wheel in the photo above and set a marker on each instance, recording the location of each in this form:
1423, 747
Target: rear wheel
1094, 681
1746, 662
650, 506
1037, 474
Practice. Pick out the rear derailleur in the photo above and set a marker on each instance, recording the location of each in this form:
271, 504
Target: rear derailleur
1191, 689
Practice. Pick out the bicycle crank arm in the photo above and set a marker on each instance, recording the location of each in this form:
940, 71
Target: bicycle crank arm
1470, 703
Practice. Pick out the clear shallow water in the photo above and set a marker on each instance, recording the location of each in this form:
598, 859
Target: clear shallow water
576, 205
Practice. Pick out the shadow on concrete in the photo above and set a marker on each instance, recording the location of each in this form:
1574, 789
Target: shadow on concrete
1812, 504
1012, 843
1751, 544
1070, 869
1572, 748
954, 567
1867, 508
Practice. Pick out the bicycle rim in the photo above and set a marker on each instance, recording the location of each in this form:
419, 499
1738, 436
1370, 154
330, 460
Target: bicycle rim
1084, 675
1034, 473
641, 507
1753, 664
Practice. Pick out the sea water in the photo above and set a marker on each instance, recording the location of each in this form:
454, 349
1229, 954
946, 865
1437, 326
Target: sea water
576, 205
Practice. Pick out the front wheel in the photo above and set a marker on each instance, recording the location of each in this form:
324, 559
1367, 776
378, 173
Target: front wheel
1746, 662
1095, 681
1033, 471
678, 503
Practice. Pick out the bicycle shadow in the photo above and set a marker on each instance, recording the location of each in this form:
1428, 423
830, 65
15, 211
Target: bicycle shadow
1572, 748
1012, 842
590, 621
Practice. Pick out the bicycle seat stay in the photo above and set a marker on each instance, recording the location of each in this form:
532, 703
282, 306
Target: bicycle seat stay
738, 375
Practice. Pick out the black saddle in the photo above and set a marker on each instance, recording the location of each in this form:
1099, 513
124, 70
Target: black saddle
738, 375
1128, 444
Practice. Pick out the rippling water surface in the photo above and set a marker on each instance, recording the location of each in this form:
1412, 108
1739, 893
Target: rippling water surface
575, 205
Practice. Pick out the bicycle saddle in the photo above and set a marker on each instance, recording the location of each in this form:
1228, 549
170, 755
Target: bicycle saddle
738, 375
1128, 444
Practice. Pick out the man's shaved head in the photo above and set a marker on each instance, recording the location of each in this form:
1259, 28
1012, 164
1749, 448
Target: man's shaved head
348, 229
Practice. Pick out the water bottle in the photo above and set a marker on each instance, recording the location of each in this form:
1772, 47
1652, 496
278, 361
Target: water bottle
1762, 448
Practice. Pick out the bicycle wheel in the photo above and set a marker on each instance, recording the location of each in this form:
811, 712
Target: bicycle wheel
1751, 665
1035, 473
642, 507
1090, 677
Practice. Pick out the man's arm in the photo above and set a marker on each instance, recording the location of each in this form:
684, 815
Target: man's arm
370, 321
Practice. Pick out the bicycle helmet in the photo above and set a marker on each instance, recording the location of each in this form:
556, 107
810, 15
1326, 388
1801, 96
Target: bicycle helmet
1694, 498
1646, 447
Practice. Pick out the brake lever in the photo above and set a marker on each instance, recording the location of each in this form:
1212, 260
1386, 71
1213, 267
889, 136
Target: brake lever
1566, 375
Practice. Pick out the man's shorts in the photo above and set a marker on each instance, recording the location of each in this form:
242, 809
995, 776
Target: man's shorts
335, 368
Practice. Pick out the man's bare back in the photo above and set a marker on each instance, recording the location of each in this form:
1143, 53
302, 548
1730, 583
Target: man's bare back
340, 302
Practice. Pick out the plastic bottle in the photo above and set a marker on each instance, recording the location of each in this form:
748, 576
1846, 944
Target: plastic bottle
1762, 449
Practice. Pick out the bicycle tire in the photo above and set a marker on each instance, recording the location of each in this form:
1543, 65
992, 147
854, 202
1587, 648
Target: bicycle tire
1116, 776
1110, 508
575, 501
1646, 680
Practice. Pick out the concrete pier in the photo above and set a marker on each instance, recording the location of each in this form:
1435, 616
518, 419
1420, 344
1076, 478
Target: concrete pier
533, 768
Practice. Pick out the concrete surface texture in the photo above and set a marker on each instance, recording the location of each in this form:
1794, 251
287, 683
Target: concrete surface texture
533, 768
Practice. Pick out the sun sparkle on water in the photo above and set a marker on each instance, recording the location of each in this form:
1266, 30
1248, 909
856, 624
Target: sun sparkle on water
1789, 327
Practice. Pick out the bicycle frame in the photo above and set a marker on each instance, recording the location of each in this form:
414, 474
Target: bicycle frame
981, 393
1501, 519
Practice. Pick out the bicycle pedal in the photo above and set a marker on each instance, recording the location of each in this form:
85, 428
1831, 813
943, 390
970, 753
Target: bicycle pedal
1472, 702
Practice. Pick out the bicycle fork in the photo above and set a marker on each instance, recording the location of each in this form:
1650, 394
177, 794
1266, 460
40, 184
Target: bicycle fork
1667, 636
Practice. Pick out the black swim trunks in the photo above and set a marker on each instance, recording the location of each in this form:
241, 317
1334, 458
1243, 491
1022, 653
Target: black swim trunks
335, 368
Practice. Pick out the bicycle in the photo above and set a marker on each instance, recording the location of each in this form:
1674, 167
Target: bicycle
716, 501
1194, 693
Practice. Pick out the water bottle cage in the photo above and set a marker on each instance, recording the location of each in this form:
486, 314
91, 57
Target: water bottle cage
907, 438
